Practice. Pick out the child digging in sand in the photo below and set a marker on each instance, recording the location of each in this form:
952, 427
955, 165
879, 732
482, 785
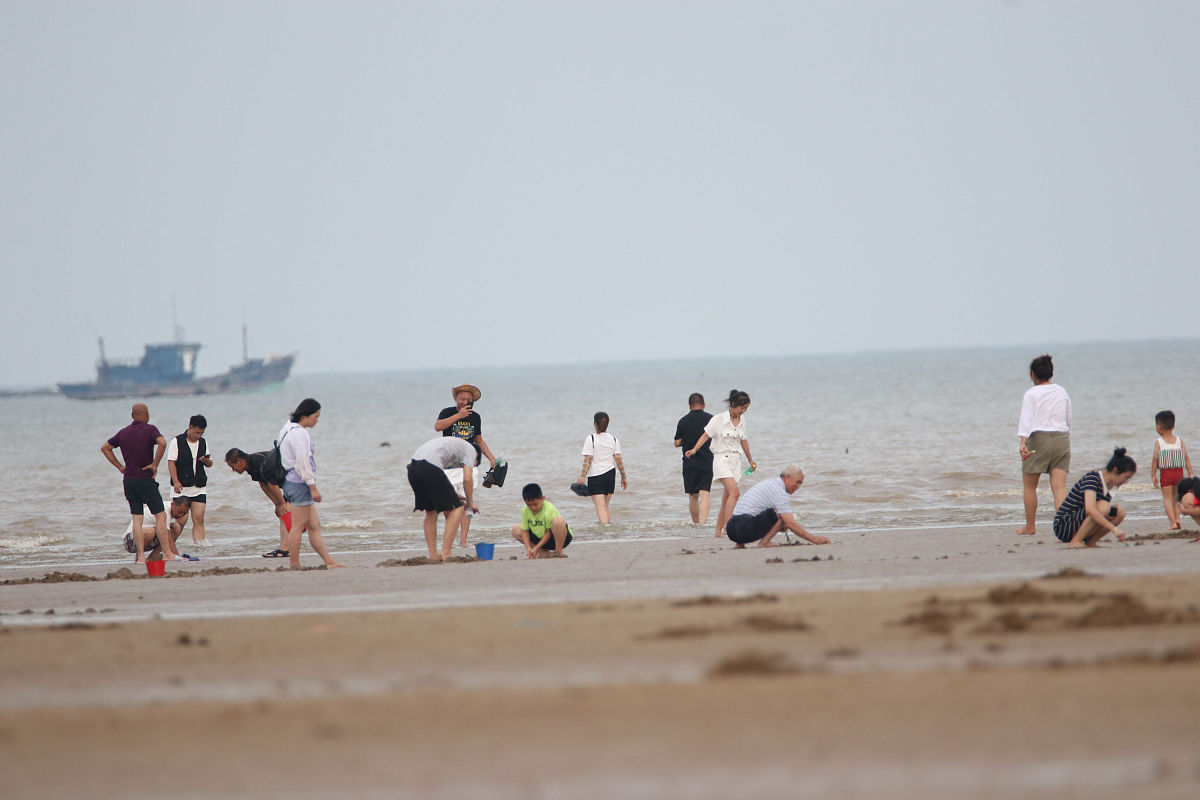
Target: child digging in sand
1170, 464
543, 531
1188, 493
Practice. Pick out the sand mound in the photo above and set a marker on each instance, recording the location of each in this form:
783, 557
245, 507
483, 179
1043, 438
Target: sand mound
53, 577
752, 662
717, 600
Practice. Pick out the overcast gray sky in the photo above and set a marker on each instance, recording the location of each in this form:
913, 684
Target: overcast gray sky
394, 184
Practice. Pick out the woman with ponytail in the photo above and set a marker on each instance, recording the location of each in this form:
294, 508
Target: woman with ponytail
1087, 515
296, 451
727, 431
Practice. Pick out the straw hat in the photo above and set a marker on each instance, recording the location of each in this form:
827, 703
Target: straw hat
466, 387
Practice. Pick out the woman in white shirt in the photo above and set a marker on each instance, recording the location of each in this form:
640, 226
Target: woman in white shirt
601, 460
727, 431
1044, 430
296, 454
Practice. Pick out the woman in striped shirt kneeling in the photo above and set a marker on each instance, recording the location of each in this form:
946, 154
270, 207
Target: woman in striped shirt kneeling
1088, 514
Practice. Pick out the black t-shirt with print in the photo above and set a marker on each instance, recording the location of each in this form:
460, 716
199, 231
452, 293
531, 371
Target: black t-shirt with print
467, 428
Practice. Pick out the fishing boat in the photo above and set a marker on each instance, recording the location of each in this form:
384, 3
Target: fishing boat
169, 370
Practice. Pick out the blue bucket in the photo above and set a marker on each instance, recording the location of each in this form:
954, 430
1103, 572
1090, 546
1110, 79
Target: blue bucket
484, 551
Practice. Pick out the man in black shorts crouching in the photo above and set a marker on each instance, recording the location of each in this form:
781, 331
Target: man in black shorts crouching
766, 509
433, 492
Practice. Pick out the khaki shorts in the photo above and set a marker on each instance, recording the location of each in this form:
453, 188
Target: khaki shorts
1053, 452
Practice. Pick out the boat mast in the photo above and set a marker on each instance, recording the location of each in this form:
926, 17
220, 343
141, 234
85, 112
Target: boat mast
175, 321
102, 367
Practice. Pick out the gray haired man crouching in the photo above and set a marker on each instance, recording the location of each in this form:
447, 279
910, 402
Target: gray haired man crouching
766, 509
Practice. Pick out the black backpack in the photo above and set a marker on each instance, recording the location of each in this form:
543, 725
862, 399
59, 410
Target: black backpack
273, 470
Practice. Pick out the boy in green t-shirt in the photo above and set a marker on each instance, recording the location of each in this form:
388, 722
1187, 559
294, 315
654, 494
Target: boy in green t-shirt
543, 531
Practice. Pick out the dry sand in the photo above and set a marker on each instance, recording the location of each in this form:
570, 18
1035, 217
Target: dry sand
951, 663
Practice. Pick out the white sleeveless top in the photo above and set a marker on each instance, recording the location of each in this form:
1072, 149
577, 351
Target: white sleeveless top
1170, 456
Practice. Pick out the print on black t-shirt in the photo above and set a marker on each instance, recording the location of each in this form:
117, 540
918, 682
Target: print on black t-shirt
466, 428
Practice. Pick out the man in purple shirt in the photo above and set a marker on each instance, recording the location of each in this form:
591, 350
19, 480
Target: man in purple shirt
143, 447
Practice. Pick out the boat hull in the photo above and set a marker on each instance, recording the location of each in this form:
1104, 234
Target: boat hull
253, 374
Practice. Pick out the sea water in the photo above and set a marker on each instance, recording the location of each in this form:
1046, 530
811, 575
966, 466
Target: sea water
887, 440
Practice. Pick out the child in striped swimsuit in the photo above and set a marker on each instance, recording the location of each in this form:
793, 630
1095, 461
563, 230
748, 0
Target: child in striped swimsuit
1170, 465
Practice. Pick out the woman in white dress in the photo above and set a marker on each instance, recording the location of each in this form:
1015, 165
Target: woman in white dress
727, 431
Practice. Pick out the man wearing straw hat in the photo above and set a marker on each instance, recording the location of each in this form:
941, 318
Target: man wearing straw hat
461, 420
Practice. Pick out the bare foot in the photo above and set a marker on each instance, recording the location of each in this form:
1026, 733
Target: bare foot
1027, 530
1077, 545
739, 546
333, 565
719, 535
766, 544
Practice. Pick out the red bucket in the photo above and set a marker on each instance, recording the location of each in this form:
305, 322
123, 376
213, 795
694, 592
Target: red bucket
156, 569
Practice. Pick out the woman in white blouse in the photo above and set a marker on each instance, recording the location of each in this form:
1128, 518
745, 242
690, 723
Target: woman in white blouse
296, 452
1044, 430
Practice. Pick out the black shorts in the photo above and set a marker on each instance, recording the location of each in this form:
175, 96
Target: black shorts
744, 528
605, 483
143, 492
697, 478
200, 498
432, 490
549, 545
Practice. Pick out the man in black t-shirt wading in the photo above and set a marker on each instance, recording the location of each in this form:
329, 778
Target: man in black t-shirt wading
252, 463
697, 470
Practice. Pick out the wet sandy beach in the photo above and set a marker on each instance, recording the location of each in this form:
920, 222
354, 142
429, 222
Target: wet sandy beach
902, 664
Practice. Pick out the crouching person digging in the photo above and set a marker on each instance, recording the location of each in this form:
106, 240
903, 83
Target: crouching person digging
543, 531
177, 514
766, 509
